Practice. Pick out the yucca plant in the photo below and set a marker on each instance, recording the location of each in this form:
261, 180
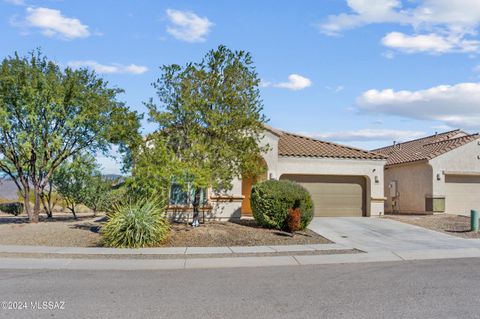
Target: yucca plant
135, 224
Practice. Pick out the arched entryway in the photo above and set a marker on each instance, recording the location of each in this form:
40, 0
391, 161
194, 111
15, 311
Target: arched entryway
247, 183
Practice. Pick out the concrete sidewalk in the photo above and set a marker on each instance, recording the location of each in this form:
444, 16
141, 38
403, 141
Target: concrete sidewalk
168, 250
381, 240
233, 262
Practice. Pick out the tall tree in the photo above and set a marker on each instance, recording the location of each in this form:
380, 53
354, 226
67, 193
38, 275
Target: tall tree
49, 114
210, 117
74, 180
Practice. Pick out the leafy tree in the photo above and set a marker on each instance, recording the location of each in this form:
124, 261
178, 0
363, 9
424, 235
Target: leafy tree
210, 118
49, 114
154, 167
99, 193
74, 180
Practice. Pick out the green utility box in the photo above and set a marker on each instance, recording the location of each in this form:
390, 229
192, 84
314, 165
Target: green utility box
474, 220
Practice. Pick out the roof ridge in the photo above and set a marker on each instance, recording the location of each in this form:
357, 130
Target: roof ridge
452, 139
331, 143
273, 130
419, 139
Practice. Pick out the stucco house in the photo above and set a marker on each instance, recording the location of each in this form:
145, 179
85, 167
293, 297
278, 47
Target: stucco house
438, 173
343, 181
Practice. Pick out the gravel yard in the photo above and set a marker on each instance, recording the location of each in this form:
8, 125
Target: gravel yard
241, 233
64, 231
450, 224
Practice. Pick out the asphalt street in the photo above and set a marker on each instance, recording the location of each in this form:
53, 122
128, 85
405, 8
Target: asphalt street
415, 289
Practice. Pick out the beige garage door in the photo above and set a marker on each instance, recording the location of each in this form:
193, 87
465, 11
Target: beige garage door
334, 195
462, 193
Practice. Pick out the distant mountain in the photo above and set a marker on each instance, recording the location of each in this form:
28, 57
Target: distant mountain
8, 189
113, 177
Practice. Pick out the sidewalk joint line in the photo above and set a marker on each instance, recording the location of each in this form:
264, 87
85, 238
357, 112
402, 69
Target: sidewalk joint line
295, 258
398, 255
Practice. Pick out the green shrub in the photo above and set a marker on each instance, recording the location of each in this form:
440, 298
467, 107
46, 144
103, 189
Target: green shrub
135, 224
271, 201
12, 208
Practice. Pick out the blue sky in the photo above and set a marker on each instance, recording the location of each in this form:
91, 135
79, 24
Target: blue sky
359, 72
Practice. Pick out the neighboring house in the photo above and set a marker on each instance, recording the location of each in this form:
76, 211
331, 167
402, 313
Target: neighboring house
438, 173
342, 180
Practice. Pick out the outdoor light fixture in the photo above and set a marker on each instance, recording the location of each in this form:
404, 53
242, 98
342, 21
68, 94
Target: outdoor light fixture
439, 177
377, 180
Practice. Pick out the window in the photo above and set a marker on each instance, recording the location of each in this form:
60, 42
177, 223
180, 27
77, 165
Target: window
181, 196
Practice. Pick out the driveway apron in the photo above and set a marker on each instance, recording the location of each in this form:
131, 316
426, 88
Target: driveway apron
378, 234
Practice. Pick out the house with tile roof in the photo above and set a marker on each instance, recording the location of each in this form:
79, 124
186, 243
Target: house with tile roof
438, 173
343, 181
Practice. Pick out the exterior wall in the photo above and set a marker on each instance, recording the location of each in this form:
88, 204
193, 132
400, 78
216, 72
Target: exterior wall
462, 161
228, 205
372, 170
414, 183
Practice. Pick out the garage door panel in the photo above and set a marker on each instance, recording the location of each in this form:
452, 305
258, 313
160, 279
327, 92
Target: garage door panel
334, 195
462, 193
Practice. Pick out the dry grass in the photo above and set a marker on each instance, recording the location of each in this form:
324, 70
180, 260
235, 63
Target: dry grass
450, 224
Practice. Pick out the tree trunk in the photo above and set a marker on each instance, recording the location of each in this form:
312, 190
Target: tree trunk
72, 209
36, 204
196, 206
46, 202
26, 206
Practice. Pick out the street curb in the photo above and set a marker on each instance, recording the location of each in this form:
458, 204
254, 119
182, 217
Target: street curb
168, 250
233, 262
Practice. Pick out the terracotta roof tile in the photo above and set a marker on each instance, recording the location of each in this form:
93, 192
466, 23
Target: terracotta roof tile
301, 146
425, 148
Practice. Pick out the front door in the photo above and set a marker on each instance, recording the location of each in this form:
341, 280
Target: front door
247, 183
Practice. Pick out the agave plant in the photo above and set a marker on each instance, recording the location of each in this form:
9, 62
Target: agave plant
135, 224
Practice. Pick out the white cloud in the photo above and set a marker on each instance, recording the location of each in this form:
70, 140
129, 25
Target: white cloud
264, 84
108, 68
439, 26
53, 24
388, 55
367, 135
452, 105
432, 43
187, 26
295, 82
363, 12
335, 89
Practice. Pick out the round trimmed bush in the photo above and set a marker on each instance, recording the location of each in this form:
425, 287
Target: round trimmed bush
271, 200
135, 224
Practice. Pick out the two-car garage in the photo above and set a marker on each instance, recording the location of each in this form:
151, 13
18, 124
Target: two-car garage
334, 195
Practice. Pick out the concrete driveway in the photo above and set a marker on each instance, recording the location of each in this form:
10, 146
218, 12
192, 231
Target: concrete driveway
378, 234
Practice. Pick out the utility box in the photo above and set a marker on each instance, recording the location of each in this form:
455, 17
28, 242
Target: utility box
393, 189
435, 204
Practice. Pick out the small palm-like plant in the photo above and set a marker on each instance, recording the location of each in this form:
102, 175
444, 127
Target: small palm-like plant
135, 224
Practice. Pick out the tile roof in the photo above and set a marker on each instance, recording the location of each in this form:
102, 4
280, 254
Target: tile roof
301, 146
425, 148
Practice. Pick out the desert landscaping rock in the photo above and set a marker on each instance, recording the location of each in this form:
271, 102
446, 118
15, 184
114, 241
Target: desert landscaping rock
64, 231
455, 225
